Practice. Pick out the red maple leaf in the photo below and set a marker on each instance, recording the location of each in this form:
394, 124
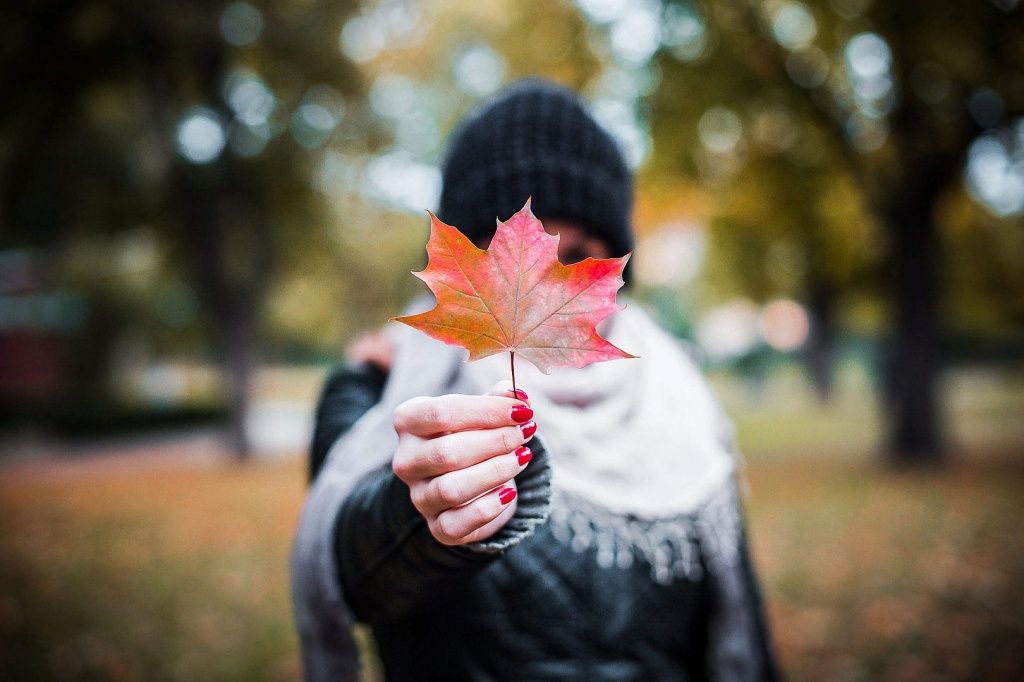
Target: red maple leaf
516, 297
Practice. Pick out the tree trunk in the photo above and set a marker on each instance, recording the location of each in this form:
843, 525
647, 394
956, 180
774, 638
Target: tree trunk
913, 358
238, 334
225, 234
819, 355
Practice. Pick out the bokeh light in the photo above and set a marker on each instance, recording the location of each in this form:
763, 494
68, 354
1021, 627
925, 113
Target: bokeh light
479, 70
619, 118
684, 32
391, 96
868, 56
995, 170
793, 25
362, 38
775, 129
720, 130
241, 24
729, 330
869, 68
318, 114
636, 35
249, 97
397, 180
672, 256
784, 325
200, 135
603, 11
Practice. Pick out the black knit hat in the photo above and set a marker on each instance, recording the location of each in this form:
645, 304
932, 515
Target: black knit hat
537, 139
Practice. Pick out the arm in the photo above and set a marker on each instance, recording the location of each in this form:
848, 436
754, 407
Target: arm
348, 393
739, 644
762, 639
385, 552
323, 613
387, 556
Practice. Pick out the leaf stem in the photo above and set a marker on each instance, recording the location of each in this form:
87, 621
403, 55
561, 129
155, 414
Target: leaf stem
512, 361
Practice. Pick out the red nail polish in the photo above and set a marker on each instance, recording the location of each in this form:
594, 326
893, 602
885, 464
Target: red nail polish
523, 454
521, 394
521, 413
506, 495
529, 428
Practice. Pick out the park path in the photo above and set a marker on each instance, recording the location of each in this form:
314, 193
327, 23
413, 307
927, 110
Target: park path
277, 431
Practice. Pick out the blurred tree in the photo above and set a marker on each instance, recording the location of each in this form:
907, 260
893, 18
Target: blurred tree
882, 97
200, 120
463, 51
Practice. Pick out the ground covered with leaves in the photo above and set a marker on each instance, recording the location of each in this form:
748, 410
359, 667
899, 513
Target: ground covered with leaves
173, 566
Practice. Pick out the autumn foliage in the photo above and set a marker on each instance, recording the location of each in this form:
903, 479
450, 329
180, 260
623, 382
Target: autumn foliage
515, 296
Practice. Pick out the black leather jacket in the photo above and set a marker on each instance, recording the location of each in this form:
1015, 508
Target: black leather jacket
538, 610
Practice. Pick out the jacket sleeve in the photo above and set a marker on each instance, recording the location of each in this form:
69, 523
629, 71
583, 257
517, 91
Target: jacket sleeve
387, 557
764, 650
739, 646
360, 445
323, 619
347, 394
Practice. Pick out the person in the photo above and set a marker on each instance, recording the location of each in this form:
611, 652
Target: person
585, 527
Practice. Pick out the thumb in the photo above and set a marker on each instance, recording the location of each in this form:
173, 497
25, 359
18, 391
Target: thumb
504, 388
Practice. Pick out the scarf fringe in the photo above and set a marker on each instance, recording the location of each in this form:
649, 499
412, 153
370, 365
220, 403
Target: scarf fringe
673, 547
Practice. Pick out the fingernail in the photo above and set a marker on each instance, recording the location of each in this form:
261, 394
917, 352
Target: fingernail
506, 495
521, 413
529, 428
523, 454
521, 394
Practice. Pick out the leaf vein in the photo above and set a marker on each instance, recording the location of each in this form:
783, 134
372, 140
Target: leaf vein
477, 292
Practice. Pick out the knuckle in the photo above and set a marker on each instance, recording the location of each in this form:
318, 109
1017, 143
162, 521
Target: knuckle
511, 438
403, 415
438, 532
439, 454
418, 496
446, 491
504, 468
481, 515
449, 526
401, 464
439, 413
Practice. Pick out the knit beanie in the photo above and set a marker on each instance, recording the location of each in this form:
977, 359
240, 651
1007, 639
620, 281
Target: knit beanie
536, 139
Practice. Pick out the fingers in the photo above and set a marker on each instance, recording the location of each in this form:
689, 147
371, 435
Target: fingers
477, 520
504, 388
456, 488
427, 417
459, 455
418, 458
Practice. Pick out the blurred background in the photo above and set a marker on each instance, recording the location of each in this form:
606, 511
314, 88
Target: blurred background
202, 203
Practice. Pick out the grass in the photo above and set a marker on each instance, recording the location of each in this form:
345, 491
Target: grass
176, 568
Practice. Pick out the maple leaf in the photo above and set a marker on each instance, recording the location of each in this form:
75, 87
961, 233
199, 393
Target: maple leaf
516, 297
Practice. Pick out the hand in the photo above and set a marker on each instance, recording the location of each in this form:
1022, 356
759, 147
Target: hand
374, 347
459, 455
